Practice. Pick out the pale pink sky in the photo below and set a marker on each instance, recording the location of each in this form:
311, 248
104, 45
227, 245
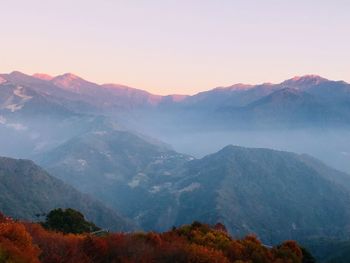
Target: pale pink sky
181, 46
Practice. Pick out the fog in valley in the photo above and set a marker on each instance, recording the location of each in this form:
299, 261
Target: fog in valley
330, 146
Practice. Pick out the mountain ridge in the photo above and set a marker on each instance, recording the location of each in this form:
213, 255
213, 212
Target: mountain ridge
309, 79
245, 188
27, 190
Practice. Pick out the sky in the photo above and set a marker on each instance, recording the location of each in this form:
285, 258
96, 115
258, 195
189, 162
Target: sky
180, 46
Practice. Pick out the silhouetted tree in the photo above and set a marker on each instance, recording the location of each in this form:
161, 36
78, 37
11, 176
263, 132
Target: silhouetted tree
68, 221
307, 257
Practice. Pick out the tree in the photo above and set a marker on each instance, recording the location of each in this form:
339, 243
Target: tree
68, 221
16, 243
307, 257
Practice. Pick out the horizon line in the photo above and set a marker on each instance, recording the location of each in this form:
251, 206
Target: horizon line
239, 85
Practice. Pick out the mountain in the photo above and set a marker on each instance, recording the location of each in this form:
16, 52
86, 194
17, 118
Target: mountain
240, 95
304, 82
36, 115
113, 96
31, 120
54, 114
81, 132
27, 190
234, 96
41, 85
278, 195
52, 109
288, 106
118, 167
23, 101
74, 83
305, 102
329, 250
131, 98
84, 96
298, 102
318, 86
226, 107
42, 76
45, 87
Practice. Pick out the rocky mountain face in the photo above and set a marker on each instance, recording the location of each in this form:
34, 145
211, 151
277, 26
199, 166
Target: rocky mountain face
26, 190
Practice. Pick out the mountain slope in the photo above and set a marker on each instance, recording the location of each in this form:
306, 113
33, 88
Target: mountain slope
329, 250
272, 193
288, 106
27, 190
120, 168
324, 102
278, 195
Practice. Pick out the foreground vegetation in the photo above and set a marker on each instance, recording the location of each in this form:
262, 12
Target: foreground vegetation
31, 242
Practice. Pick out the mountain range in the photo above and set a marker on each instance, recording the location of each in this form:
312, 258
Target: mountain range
249, 190
276, 195
68, 89
112, 151
301, 102
40, 112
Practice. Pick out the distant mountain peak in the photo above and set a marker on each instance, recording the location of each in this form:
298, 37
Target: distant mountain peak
238, 86
235, 149
42, 76
68, 77
305, 80
16, 77
71, 75
16, 72
231, 147
229, 150
308, 77
71, 81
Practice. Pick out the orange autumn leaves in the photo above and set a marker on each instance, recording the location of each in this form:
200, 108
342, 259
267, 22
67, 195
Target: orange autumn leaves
16, 243
196, 243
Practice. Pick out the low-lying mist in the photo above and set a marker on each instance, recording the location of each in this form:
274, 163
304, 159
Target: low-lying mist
330, 146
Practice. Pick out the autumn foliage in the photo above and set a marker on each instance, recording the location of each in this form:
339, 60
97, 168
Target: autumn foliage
196, 243
16, 243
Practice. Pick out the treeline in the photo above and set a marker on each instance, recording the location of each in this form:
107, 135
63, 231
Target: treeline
197, 243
